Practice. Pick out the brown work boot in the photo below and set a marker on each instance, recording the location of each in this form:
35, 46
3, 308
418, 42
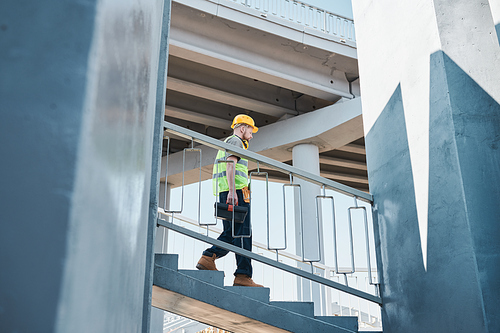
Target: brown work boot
245, 281
207, 263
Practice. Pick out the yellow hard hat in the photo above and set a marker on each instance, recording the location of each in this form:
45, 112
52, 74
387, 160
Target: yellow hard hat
244, 119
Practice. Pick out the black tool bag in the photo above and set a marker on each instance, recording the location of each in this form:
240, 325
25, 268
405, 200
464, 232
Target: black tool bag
225, 212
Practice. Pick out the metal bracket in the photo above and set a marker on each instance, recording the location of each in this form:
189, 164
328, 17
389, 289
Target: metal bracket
367, 239
300, 210
182, 187
324, 197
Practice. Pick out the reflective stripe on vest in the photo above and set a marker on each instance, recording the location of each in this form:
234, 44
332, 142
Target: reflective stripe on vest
219, 175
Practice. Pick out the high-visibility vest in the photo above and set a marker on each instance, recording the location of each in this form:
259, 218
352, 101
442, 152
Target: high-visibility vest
219, 176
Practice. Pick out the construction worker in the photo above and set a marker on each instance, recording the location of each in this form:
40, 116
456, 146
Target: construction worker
232, 182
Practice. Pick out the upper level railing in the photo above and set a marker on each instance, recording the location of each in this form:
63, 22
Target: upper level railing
172, 129
306, 15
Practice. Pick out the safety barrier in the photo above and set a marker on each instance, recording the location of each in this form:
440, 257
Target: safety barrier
306, 15
293, 172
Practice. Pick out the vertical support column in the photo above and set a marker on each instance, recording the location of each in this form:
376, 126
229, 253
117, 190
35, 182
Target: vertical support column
44, 61
306, 157
77, 99
154, 194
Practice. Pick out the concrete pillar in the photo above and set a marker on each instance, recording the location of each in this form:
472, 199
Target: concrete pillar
306, 157
429, 80
77, 107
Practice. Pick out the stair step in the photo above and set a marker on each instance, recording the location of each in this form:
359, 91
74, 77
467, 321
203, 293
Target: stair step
257, 293
227, 308
305, 308
167, 260
348, 322
213, 277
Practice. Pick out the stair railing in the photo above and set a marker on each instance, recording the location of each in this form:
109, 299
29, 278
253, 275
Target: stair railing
292, 172
337, 304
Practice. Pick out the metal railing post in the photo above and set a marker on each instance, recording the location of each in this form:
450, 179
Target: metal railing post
182, 187
318, 215
367, 239
258, 173
292, 185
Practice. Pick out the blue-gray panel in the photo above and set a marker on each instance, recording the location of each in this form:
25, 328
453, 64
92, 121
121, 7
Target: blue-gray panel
44, 48
451, 279
156, 324
476, 119
104, 270
462, 276
391, 183
497, 28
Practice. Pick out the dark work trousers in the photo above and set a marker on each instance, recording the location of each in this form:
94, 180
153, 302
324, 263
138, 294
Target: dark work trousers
244, 265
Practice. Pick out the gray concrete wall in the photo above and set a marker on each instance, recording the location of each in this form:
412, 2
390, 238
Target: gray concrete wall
495, 11
77, 99
432, 124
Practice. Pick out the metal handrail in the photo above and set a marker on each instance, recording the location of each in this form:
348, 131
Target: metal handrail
270, 262
263, 160
292, 172
262, 246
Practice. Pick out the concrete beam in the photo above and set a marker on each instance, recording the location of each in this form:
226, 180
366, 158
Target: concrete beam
172, 136
338, 176
353, 148
293, 31
271, 56
237, 85
219, 96
278, 78
342, 163
329, 128
196, 117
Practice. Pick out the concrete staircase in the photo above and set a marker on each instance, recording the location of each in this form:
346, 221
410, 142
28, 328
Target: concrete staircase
202, 296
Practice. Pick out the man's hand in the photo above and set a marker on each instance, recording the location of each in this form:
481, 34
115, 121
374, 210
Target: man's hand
232, 198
